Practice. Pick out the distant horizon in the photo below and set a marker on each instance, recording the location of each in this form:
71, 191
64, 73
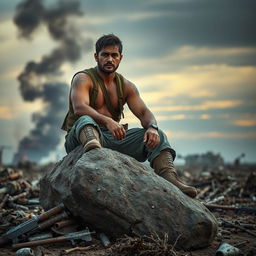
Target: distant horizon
178, 160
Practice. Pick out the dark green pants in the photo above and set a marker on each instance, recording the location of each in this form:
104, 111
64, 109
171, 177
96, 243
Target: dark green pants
131, 145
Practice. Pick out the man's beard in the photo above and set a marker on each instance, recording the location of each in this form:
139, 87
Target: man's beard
106, 71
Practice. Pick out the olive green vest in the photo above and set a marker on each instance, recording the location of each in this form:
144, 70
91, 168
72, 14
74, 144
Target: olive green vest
97, 81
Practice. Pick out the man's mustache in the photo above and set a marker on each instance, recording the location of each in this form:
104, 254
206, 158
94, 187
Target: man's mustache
109, 64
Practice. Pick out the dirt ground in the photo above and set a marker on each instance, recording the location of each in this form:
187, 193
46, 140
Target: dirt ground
227, 185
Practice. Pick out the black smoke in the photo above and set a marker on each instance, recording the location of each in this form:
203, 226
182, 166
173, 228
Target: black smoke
38, 79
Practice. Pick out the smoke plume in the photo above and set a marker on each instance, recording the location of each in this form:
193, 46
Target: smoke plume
36, 80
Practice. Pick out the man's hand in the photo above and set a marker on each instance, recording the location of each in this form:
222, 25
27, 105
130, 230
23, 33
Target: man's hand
151, 137
117, 130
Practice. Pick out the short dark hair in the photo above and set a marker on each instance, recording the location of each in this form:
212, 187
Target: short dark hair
107, 40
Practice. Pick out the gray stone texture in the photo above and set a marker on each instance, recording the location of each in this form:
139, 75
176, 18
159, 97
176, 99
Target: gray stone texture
116, 194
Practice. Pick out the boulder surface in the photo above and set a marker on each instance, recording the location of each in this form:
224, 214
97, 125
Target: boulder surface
116, 194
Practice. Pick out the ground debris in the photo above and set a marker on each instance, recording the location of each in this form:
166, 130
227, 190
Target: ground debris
18, 197
143, 246
231, 188
229, 192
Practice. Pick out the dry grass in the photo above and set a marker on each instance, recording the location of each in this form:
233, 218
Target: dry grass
143, 246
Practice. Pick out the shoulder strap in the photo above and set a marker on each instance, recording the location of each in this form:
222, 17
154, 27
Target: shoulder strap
110, 107
120, 92
94, 91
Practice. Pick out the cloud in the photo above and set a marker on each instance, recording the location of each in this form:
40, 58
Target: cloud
245, 122
153, 28
19, 109
211, 134
182, 117
11, 74
201, 22
14, 53
200, 87
188, 55
118, 16
205, 116
187, 52
131, 119
206, 105
197, 23
6, 113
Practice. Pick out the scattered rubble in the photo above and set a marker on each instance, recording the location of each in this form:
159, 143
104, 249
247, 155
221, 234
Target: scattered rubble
228, 191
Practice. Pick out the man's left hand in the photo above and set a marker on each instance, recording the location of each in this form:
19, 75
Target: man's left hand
151, 137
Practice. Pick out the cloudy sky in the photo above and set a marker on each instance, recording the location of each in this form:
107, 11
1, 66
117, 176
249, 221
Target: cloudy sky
193, 61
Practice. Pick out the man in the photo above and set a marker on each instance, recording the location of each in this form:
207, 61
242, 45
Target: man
96, 101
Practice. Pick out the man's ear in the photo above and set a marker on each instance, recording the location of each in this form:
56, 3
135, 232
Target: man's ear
96, 57
121, 56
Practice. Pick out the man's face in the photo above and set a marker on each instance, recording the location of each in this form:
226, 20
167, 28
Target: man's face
108, 59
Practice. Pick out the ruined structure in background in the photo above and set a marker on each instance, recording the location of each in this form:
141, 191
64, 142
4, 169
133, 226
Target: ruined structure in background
237, 161
205, 161
2, 148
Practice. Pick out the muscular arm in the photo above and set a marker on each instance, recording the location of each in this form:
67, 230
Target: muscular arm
138, 107
80, 91
80, 98
141, 111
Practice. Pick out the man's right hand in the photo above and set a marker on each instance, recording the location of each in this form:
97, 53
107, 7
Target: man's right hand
117, 130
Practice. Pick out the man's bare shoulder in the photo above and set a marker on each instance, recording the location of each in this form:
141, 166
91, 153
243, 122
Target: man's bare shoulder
130, 88
81, 79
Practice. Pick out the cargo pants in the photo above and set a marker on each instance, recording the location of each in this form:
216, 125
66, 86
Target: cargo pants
131, 145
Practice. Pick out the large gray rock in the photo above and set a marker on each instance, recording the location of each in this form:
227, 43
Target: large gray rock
116, 194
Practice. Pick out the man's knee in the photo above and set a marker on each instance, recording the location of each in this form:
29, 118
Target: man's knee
81, 122
72, 138
85, 120
163, 145
162, 136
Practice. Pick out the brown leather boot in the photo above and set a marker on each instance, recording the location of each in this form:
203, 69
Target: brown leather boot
163, 166
89, 138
